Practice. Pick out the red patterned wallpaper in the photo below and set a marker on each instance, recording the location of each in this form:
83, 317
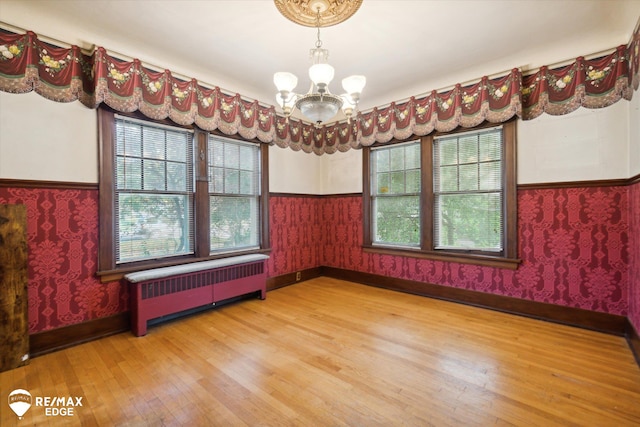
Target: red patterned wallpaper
634, 256
62, 234
296, 232
573, 243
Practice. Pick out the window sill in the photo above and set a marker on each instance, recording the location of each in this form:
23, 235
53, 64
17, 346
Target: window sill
119, 272
484, 260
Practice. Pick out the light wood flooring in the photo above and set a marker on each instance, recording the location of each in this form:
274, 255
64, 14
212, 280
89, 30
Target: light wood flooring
331, 353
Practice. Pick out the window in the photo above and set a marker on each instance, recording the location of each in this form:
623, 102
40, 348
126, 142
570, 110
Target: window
234, 182
467, 190
395, 194
171, 195
449, 197
154, 191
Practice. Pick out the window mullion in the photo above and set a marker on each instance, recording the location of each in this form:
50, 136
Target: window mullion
202, 238
427, 201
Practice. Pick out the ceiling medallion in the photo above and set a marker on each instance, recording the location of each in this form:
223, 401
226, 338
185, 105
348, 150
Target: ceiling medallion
305, 12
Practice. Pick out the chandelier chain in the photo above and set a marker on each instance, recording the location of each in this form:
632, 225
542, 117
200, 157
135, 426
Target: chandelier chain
318, 42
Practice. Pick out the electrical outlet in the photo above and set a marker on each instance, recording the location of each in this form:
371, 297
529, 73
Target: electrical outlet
298, 276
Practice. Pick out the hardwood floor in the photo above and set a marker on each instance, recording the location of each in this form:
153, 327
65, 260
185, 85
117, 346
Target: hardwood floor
331, 353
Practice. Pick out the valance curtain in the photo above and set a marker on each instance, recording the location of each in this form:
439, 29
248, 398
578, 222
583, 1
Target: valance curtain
66, 74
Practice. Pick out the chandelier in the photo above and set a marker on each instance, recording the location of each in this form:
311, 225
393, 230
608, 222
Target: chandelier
318, 104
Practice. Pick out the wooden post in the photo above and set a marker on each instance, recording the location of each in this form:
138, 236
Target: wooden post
14, 325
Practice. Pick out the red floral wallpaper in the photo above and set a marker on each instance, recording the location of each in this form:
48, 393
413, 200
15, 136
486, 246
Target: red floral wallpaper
634, 256
62, 234
296, 232
573, 243
580, 247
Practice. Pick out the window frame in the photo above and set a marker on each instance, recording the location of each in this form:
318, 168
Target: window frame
108, 269
507, 258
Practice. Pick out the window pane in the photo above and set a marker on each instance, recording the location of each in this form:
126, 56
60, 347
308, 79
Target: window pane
396, 220
129, 139
129, 174
491, 146
246, 182
448, 151
176, 147
234, 222
248, 158
397, 158
490, 176
176, 177
216, 180
153, 143
397, 183
413, 181
231, 156
469, 221
468, 177
448, 179
382, 160
468, 149
231, 181
153, 226
383, 183
412, 156
154, 175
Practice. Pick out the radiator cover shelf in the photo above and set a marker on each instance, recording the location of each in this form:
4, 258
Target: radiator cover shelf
157, 297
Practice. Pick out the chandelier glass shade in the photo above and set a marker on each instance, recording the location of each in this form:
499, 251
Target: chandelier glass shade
318, 104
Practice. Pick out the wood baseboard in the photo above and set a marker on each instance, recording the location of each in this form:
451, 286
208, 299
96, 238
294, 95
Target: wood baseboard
56, 339
291, 278
633, 339
601, 322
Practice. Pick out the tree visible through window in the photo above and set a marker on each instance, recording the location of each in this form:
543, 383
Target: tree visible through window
234, 184
154, 191
467, 189
395, 194
450, 196
171, 195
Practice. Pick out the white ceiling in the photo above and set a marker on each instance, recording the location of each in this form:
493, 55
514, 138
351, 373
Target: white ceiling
404, 48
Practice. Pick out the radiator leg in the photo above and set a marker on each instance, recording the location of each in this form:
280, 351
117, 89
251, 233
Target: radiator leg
139, 327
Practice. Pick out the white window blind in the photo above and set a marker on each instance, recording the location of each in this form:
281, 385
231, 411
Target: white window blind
154, 191
469, 191
234, 194
395, 194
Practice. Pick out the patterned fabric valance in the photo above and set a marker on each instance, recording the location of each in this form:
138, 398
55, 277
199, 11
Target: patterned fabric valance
68, 74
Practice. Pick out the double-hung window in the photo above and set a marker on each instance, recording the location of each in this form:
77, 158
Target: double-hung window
171, 194
234, 194
154, 191
395, 194
445, 196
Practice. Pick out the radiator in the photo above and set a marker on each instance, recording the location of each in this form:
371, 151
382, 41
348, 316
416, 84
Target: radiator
170, 290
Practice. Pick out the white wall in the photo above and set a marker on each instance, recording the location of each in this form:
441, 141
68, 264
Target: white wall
47, 141
342, 172
294, 171
583, 145
51, 141
634, 135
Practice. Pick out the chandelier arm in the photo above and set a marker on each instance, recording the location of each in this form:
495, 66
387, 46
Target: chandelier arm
319, 104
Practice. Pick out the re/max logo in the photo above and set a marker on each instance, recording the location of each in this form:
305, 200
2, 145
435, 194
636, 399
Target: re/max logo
58, 401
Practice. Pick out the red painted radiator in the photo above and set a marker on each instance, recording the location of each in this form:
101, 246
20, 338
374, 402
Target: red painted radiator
172, 293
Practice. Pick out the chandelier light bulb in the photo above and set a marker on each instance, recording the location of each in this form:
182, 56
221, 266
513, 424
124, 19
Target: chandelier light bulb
353, 85
319, 104
284, 81
321, 74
